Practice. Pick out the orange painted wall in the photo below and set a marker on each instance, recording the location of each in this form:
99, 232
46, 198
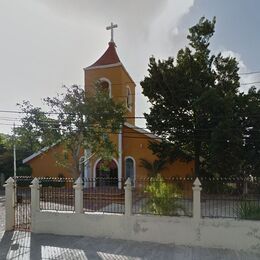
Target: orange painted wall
45, 164
119, 80
135, 144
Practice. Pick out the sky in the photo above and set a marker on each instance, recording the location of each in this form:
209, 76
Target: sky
46, 43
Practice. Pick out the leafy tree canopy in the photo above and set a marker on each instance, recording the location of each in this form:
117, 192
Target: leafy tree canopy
196, 106
76, 120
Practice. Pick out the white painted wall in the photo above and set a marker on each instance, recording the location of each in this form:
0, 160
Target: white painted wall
213, 233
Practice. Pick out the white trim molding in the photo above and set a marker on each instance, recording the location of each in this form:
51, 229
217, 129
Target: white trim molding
29, 158
104, 66
96, 163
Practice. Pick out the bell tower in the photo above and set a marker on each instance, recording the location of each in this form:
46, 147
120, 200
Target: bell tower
111, 73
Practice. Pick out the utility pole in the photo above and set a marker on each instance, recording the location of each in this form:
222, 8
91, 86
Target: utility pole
14, 152
15, 181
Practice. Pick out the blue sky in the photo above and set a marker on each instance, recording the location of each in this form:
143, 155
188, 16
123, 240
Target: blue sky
237, 28
46, 44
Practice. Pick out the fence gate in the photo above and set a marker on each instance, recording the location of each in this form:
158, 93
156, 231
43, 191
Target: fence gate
22, 204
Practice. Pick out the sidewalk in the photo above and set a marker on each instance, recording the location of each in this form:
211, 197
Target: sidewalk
24, 245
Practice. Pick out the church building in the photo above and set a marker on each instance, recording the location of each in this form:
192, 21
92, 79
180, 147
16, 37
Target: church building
132, 142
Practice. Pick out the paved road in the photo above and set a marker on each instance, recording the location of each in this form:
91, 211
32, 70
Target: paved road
24, 245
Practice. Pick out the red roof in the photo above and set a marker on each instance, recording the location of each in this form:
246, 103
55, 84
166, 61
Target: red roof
109, 57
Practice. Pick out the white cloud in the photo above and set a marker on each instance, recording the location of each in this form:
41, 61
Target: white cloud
47, 43
244, 78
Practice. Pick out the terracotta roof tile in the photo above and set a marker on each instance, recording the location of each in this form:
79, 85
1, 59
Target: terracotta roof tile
109, 57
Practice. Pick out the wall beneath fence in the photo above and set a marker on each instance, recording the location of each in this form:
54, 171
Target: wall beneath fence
213, 233
188, 231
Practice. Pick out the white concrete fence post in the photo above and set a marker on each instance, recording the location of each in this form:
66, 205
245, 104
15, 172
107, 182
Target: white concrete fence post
35, 201
78, 187
35, 195
128, 197
9, 204
196, 199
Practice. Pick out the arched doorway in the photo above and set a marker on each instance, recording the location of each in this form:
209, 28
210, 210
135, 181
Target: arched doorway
108, 175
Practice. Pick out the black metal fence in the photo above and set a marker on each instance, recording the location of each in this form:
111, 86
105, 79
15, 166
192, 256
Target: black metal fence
220, 197
57, 194
160, 196
104, 195
230, 198
22, 203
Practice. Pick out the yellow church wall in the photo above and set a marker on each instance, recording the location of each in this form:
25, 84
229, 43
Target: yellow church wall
45, 164
119, 82
136, 144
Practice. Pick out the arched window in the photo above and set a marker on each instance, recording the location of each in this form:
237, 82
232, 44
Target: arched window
128, 98
105, 85
130, 168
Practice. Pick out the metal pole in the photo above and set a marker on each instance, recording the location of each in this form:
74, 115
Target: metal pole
14, 154
15, 181
14, 161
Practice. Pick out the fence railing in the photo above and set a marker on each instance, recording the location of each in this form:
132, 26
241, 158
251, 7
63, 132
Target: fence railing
230, 198
22, 203
219, 198
57, 194
104, 195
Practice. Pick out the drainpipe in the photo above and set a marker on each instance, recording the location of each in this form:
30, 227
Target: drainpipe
120, 158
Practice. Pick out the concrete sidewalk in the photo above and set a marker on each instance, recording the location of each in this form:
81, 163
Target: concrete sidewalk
24, 245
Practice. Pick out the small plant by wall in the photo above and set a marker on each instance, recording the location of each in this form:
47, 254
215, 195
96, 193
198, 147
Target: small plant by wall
163, 198
248, 210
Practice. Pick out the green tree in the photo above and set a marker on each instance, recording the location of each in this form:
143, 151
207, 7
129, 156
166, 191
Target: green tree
37, 129
7, 158
78, 121
153, 168
190, 99
251, 121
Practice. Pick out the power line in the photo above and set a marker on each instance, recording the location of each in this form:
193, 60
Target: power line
57, 113
45, 124
249, 73
250, 83
144, 137
133, 132
55, 121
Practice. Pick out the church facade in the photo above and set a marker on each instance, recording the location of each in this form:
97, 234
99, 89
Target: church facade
132, 142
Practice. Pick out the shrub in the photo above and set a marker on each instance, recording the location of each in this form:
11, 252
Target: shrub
248, 210
162, 199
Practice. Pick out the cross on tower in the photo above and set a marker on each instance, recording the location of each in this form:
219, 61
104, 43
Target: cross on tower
112, 27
